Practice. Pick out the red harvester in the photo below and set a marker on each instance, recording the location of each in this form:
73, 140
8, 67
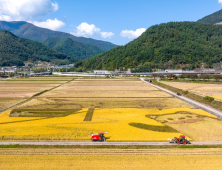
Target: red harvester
180, 140
99, 137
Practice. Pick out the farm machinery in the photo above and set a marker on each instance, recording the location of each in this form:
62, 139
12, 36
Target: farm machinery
180, 140
99, 137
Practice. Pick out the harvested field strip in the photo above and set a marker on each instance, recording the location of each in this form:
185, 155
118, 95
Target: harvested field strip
43, 112
38, 94
175, 152
89, 114
101, 162
72, 103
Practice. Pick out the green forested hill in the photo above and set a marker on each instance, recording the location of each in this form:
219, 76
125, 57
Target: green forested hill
30, 31
73, 49
212, 18
15, 50
169, 45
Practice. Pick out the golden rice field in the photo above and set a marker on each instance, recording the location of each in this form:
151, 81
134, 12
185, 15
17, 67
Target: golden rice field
129, 124
213, 90
128, 110
155, 159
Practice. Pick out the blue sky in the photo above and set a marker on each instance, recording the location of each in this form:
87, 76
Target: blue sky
116, 21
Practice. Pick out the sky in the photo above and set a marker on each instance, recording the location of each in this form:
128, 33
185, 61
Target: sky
115, 21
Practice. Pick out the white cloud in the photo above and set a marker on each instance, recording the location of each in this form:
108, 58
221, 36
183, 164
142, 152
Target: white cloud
107, 34
5, 18
132, 34
26, 9
220, 1
50, 24
86, 30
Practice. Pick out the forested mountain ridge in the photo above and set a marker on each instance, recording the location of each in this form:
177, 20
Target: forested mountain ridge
169, 45
215, 18
15, 51
30, 31
73, 49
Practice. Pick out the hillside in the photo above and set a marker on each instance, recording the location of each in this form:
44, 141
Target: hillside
214, 18
15, 50
73, 49
30, 31
170, 45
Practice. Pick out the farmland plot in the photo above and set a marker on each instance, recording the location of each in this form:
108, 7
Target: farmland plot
213, 90
121, 124
18, 90
156, 159
127, 110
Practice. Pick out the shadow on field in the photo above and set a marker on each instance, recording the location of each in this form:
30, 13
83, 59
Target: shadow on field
153, 128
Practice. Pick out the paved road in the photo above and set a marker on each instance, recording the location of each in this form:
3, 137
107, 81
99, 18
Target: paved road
108, 143
103, 97
202, 106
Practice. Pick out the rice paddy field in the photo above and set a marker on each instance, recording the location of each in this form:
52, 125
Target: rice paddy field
213, 90
156, 159
14, 91
128, 109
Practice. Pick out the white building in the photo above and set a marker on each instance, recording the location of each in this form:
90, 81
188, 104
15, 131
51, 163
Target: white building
102, 72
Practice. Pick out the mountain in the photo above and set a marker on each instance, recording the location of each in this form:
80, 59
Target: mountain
72, 48
170, 45
30, 31
215, 18
15, 51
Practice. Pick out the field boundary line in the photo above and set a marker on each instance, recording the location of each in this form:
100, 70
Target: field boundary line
192, 102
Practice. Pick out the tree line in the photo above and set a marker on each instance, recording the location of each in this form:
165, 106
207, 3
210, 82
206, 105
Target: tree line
184, 45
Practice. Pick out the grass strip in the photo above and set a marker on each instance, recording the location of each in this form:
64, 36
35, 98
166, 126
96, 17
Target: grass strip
194, 81
113, 147
89, 114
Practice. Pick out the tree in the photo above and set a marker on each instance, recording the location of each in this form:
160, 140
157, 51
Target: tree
193, 76
171, 76
204, 76
217, 77
154, 75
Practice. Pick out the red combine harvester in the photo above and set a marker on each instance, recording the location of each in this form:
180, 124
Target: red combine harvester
180, 140
99, 137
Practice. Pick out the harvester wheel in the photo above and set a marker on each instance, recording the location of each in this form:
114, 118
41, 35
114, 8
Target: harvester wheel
104, 139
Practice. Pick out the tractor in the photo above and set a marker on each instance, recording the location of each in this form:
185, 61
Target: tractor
99, 137
180, 140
